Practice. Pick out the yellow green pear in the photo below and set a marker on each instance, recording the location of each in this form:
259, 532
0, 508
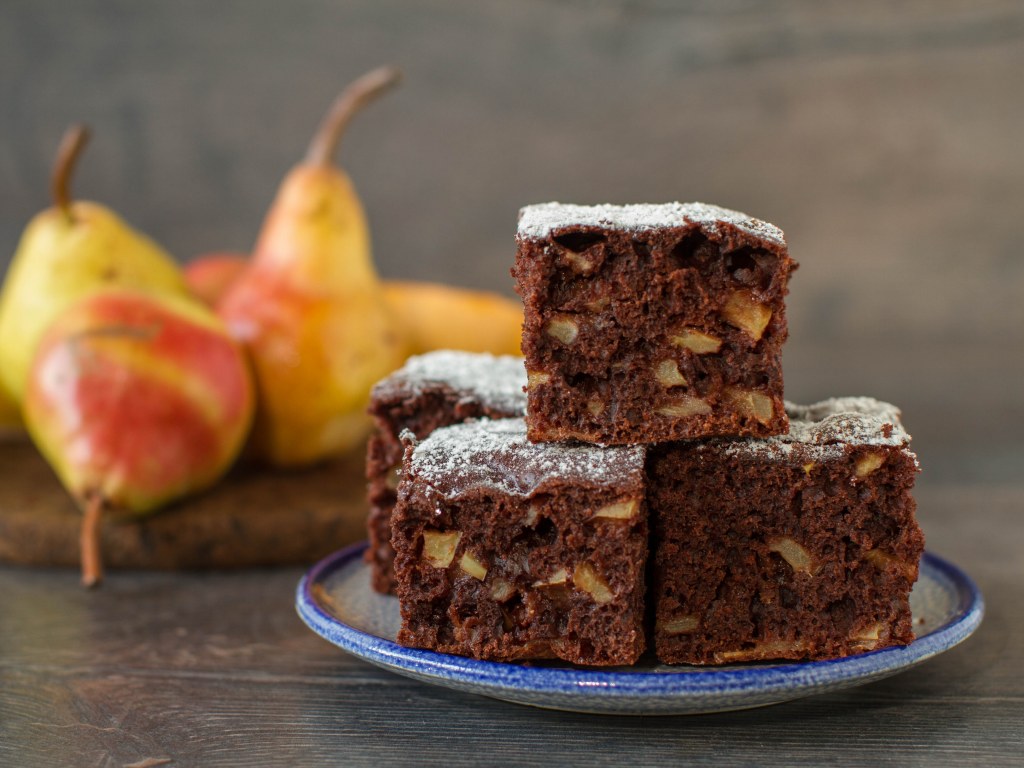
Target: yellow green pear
309, 306
66, 253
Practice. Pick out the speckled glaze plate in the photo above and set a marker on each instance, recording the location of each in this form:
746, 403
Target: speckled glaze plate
336, 601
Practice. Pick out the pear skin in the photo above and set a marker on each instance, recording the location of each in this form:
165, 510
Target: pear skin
435, 316
315, 358
210, 275
66, 253
431, 316
309, 308
136, 400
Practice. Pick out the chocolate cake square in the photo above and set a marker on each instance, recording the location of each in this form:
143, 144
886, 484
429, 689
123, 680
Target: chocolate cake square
651, 323
802, 546
507, 549
429, 391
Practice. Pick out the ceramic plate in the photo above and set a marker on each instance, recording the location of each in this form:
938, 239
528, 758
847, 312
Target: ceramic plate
336, 601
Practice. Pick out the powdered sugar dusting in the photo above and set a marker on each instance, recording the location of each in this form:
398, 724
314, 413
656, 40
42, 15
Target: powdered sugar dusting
494, 381
826, 430
496, 454
540, 221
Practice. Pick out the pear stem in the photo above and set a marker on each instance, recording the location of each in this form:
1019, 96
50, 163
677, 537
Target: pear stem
89, 541
71, 145
360, 93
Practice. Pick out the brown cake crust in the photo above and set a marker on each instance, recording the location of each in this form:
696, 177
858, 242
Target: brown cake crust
507, 550
802, 547
429, 391
647, 324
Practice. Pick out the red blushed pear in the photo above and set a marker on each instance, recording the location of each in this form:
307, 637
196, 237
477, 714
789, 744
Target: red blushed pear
310, 308
431, 316
136, 400
210, 275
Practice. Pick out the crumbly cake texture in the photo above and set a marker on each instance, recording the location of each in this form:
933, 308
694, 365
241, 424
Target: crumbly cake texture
429, 391
801, 546
651, 323
507, 549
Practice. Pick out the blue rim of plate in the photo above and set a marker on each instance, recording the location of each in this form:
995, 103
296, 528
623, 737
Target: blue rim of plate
572, 681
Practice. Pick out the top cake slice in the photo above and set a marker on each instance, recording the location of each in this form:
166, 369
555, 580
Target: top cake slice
651, 323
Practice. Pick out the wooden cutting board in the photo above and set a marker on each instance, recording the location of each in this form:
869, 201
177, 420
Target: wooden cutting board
254, 517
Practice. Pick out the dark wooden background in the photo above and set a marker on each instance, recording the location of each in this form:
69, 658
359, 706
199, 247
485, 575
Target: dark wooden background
886, 139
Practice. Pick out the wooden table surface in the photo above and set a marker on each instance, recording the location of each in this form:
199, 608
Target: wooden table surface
216, 669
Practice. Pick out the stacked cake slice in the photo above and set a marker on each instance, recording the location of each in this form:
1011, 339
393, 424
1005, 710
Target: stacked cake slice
799, 546
507, 549
430, 391
653, 488
647, 323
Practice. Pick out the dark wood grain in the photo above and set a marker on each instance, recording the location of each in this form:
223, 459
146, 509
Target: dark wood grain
256, 516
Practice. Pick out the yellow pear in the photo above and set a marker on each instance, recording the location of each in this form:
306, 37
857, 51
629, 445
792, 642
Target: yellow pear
67, 252
435, 316
309, 306
431, 315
